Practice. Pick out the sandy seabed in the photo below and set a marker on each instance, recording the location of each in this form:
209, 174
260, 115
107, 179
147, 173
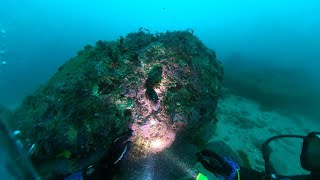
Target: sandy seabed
244, 125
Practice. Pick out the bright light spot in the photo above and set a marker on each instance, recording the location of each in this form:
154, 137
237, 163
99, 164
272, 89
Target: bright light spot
157, 144
151, 139
3, 31
152, 122
4, 62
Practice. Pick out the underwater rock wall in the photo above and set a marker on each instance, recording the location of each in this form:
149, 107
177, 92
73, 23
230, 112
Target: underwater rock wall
156, 84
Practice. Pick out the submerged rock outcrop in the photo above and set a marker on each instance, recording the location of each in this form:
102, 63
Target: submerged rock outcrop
156, 84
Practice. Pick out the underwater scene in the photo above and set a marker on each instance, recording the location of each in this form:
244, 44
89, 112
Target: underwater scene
156, 90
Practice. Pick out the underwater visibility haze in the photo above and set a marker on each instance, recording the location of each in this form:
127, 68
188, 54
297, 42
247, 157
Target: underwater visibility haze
137, 89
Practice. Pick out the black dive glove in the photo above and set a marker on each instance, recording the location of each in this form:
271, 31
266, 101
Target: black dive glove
105, 167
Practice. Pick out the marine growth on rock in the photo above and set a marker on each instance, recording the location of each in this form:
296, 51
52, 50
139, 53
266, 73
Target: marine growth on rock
156, 84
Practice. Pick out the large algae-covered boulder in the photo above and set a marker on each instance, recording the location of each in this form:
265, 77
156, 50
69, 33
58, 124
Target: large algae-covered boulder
155, 84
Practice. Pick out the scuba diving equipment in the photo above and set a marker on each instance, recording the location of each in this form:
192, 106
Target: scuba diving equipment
200, 176
106, 166
309, 157
266, 151
14, 161
224, 168
310, 154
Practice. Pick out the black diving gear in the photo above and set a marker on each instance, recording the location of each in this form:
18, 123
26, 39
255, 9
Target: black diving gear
224, 168
106, 167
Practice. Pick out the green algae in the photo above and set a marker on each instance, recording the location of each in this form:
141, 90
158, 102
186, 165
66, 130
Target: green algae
154, 76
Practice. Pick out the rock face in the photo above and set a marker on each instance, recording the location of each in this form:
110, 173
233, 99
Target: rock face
155, 84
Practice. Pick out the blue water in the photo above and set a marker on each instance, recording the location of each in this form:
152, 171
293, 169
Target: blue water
41, 35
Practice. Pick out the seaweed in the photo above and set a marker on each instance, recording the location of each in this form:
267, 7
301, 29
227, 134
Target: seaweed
154, 77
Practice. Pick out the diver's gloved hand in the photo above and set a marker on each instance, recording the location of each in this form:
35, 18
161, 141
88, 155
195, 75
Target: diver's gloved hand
120, 147
105, 167
220, 166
